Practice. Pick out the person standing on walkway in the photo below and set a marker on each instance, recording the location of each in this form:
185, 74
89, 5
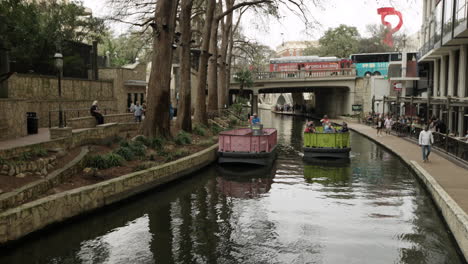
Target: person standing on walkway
138, 112
425, 141
380, 125
388, 125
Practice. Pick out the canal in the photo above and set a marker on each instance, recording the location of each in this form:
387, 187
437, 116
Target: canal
371, 210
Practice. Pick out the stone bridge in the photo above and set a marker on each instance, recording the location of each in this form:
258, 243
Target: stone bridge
334, 90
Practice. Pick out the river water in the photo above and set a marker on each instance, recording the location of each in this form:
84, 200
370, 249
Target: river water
371, 210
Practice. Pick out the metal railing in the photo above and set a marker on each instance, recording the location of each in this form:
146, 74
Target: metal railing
303, 74
442, 142
76, 113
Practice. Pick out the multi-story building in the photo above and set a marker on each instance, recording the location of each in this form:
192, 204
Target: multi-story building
294, 48
444, 51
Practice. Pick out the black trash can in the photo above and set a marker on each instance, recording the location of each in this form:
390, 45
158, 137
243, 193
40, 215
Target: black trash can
32, 122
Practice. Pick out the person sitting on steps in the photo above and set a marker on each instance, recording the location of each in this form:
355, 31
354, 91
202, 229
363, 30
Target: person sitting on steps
96, 113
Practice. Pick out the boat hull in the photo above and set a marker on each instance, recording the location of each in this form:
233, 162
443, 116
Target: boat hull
260, 158
334, 153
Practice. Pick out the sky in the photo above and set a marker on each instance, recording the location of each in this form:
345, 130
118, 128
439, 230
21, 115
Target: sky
331, 13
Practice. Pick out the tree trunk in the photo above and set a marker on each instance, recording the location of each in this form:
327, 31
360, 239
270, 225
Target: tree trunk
157, 121
184, 113
223, 83
200, 107
213, 68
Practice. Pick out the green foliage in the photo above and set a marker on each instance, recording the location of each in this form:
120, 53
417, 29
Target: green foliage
152, 157
341, 42
144, 140
34, 29
233, 121
183, 138
126, 153
216, 129
32, 154
113, 160
245, 80
95, 161
199, 130
157, 143
138, 148
125, 144
103, 161
237, 108
126, 48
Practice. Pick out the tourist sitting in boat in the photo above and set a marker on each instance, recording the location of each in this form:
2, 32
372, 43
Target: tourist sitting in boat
255, 119
310, 127
344, 128
328, 128
324, 120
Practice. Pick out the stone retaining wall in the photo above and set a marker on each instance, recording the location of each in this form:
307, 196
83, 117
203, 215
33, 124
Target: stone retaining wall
35, 189
90, 121
79, 138
20, 221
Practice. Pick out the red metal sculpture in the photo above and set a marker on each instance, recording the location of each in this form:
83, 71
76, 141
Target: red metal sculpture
389, 11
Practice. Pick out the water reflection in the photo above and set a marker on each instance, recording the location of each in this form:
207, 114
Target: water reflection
245, 181
328, 174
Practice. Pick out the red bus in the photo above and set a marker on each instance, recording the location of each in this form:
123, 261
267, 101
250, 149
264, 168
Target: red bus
308, 63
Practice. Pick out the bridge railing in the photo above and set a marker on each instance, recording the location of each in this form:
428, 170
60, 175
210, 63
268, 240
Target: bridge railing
304, 74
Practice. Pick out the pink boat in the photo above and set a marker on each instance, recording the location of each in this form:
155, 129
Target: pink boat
245, 145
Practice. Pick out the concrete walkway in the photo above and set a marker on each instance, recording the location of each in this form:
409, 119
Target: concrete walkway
43, 135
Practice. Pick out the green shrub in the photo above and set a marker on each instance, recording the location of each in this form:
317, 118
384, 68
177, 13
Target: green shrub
183, 138
95, 161
124, 143
39, 152
138, 148
126, 153
157, 143
25, 156
199, 130
181, 153
216, 129
152, 157
232, 121
113, 160
143, 140
103, 161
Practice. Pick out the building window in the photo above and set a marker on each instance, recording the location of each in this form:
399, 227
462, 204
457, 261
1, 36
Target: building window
135, 99
460, 12
142, 98
129, 100
438, 22
448, 16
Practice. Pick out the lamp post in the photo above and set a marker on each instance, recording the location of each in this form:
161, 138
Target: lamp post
59, 65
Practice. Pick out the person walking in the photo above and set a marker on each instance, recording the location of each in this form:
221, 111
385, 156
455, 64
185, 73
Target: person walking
426, 139
137, 112
380, 125
96, 113
388, 125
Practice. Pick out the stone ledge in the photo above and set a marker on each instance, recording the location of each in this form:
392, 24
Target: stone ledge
37, 188
454, 216
30, 217
60, 132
